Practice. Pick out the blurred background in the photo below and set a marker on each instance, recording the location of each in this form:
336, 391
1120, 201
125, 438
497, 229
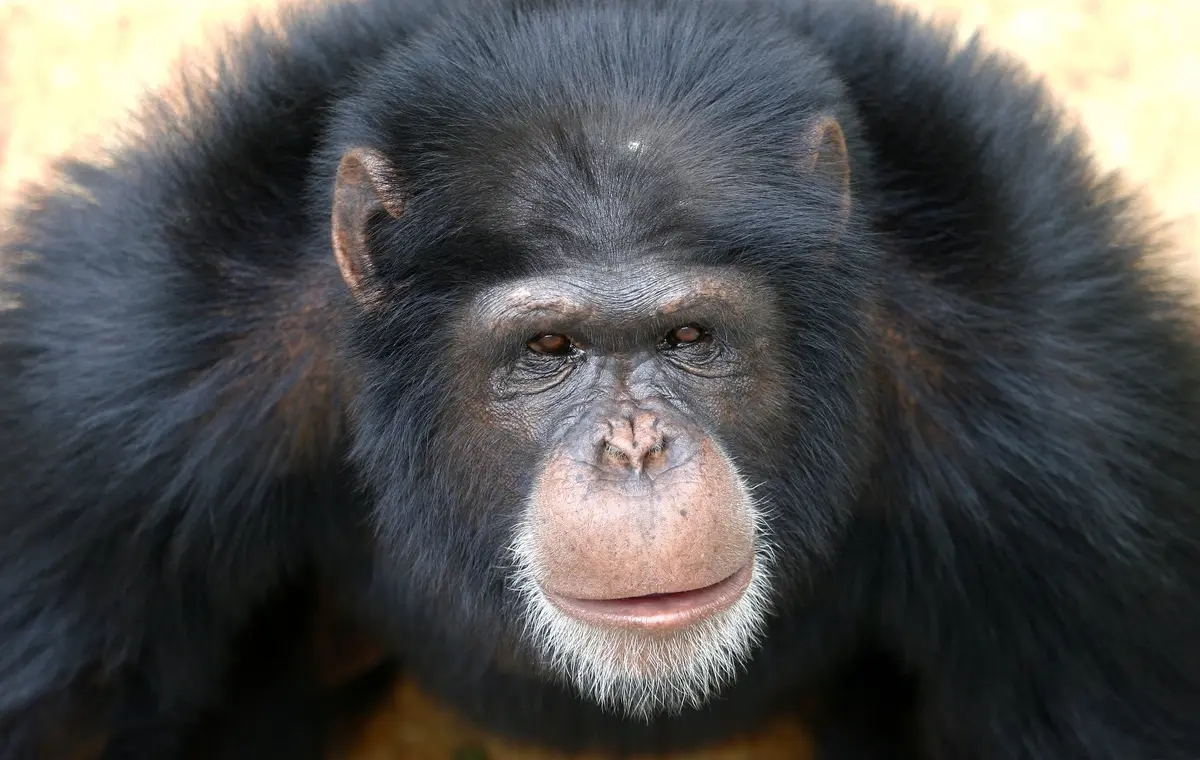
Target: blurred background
1128, 69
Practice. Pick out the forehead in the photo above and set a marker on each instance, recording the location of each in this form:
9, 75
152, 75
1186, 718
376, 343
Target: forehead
634, 290
596, 188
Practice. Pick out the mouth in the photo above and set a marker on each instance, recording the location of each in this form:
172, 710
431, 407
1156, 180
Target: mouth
661, 613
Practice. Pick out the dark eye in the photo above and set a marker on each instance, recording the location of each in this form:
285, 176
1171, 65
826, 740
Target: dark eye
684, 335
550, 344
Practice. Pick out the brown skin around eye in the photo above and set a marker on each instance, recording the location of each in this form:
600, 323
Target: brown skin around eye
550, 343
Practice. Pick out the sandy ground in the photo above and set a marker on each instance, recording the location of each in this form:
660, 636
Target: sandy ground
1130, 69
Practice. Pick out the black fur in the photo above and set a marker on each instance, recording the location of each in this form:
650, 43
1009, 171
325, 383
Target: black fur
991, 476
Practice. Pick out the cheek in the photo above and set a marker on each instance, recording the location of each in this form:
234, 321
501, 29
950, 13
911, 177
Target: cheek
749, 400
538, 419
486, 464
766, 407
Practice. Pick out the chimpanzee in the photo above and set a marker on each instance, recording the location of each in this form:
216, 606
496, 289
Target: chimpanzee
630, 370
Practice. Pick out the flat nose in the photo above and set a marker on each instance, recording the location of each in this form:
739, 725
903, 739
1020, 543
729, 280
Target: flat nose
634, 442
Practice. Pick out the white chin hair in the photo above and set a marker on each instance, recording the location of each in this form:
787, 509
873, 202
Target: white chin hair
643, 673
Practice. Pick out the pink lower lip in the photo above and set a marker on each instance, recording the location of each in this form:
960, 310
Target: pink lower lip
658, 612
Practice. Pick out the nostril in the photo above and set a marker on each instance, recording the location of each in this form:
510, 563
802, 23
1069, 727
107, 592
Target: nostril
631, 442
613, 452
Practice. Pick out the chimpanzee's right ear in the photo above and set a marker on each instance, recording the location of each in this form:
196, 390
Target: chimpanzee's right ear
366, 185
